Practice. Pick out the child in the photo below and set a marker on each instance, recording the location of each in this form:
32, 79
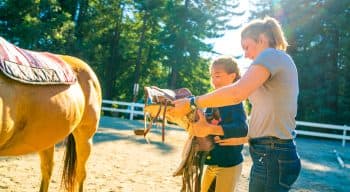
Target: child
224, 163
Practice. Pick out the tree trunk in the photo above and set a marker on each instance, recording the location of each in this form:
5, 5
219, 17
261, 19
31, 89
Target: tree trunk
79, 16
179, 50
174, 75
139, 56
113, 62
333, 77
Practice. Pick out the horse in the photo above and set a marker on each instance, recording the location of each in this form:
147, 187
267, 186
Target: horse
33, 118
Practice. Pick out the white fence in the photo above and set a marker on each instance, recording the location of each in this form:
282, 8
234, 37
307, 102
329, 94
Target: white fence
137, 109
342, 136
131, 108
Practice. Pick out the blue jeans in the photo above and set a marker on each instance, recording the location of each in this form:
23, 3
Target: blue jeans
276, 164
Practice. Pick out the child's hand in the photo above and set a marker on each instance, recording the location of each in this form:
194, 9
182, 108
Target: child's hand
201, 128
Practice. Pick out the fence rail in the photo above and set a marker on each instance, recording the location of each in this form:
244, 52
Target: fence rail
137, 109
131, 108
343, 128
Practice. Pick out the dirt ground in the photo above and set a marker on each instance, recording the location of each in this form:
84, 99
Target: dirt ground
123, 162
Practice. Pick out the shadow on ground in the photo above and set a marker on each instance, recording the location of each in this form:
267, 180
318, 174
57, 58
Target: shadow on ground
116, 129
320, 168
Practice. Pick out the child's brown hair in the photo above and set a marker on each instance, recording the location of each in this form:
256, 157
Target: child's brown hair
229, 65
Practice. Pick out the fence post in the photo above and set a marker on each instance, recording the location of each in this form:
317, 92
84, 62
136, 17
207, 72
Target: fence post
132, 111
344, 136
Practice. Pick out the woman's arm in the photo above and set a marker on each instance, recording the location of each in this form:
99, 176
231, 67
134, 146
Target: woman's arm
228, 95
237, 92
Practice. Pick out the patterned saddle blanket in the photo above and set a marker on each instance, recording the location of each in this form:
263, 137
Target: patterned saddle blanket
32, 67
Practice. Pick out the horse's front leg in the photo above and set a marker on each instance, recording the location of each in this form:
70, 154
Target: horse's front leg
46, 157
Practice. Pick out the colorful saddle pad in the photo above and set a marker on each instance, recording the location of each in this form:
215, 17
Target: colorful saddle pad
33, 67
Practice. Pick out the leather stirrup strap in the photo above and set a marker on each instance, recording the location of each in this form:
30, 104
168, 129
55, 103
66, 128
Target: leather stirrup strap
148, 128
163, 122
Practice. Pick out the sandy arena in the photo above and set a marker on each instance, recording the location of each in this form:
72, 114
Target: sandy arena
123, 162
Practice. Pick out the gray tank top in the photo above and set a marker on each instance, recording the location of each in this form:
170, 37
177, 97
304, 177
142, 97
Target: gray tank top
274, 104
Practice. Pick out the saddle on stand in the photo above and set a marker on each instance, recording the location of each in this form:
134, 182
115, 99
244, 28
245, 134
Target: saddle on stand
195, 149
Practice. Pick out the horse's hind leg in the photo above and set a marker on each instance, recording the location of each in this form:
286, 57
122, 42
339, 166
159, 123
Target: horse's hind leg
83, 138
46, 157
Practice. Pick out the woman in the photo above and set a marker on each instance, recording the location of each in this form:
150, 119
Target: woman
271, 84
224, 163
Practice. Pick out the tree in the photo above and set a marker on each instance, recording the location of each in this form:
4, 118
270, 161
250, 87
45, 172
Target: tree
38, 25
152, 42
187, 26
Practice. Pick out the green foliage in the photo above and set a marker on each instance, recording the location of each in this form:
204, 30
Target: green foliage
40, 25
152, 42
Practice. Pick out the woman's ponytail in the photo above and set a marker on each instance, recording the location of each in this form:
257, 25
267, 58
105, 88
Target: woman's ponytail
277, 35
270, 28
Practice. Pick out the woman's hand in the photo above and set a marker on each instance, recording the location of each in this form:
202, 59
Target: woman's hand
201, 128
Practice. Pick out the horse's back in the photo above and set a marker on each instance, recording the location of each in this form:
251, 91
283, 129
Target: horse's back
35, 117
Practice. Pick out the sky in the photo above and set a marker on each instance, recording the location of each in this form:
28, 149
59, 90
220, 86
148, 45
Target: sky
230, 43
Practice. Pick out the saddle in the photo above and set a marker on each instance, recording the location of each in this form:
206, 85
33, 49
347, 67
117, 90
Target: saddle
157, 100
33, 67
195, 149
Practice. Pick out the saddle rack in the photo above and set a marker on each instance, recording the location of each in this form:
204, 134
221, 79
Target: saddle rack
162, 98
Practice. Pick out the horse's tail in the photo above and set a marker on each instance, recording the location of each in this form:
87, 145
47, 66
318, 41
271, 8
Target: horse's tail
69, 168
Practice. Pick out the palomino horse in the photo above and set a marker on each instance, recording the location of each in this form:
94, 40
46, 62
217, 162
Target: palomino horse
33, 118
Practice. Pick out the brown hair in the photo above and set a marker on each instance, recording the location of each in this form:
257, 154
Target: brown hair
268, 26
229, 65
